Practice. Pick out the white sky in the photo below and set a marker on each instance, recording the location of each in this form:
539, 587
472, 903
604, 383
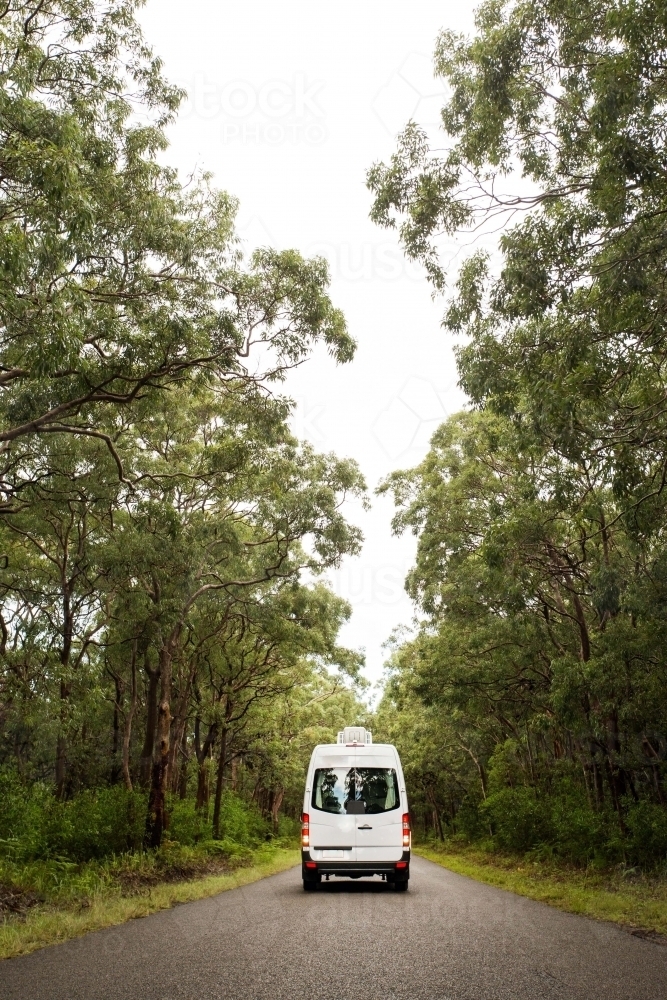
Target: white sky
290, 104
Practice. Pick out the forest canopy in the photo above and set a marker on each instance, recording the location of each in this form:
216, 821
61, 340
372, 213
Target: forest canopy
531, 698
165, 634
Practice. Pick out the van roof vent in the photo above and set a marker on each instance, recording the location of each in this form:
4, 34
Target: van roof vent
355, 736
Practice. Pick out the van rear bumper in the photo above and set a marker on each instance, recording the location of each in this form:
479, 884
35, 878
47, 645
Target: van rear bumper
357, 869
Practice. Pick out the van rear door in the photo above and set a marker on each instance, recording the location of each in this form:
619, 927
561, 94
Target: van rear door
379, 830
332, 829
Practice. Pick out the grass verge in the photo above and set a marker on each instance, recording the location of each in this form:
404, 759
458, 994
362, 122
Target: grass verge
637, 902
109, 904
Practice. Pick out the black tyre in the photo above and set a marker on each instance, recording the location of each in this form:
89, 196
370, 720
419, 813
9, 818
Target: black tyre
310, 884
401, 886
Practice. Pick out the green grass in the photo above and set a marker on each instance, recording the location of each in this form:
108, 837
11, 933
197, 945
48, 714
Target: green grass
77, 899
628, 898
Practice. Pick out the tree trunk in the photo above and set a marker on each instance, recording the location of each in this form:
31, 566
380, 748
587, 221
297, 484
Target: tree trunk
219, 782
127, 728
654, 758
202, 755
598, 785
436, 814
120, 691
65, 690
146, 758
275, 807
615, 773
156, 820
61, 745
180, 721
183, 773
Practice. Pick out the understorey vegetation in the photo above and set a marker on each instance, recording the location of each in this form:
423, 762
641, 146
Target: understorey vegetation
168, 649
530, 700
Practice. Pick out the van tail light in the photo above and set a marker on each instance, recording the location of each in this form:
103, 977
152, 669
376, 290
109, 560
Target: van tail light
406, 829
305, 830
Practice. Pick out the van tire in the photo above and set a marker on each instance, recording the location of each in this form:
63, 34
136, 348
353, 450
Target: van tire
401, 886
310, 884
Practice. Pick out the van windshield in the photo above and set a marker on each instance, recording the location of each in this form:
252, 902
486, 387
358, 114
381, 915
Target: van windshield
355, 789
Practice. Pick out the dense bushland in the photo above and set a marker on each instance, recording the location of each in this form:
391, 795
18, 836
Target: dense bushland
531, 699
168, 650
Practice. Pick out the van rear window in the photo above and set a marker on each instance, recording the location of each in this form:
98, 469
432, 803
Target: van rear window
355, 789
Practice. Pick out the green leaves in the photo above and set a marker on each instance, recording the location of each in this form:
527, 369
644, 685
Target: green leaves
542, 630
160, 521
555, 128
119, 282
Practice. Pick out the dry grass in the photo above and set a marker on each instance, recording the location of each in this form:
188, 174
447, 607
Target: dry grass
635, 901
39, 925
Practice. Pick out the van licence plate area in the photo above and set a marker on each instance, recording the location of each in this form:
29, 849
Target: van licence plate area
334, 853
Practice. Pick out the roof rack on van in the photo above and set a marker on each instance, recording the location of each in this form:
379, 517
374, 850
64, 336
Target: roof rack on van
355, 736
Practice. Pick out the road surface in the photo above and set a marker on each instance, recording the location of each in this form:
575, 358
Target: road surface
448, 938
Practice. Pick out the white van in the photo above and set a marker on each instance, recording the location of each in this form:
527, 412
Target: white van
355, 819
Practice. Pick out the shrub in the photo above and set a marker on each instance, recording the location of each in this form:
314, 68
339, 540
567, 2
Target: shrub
95, 824
186, 825
647, 829
91, 825
471, 822
242, 822
520, 821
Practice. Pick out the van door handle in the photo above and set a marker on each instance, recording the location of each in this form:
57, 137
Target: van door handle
365, 827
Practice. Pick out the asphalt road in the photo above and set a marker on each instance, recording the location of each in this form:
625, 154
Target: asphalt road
446, 938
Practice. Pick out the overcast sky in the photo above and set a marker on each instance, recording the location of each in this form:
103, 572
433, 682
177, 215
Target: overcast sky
289, 104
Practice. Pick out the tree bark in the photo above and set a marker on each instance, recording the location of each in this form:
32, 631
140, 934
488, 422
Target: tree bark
202, 754
585, 649
61, 745
183, 772
127, 728
156, 821
654, 758
615, 773
436, 813
180, 720
278, 797
65, 652
146, 758
120, 691
219, 782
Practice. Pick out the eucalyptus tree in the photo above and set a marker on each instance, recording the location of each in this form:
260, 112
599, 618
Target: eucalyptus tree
54, 585
279, 733
555, 134
540, 517
218, 514
116, 279
264, 651
543, 622
149, 484
221, 509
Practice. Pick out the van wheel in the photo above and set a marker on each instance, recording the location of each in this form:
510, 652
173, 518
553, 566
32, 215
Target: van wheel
310, 884
401, 886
